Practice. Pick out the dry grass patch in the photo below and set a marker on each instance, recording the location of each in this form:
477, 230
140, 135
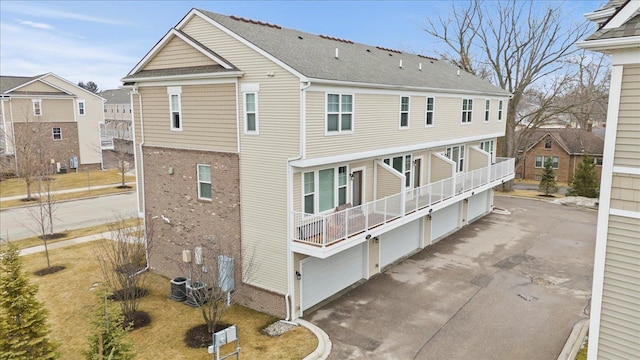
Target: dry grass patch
82, 179
68, 298
76, 195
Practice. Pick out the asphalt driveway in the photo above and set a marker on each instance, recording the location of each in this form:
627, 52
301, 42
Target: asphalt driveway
509, 286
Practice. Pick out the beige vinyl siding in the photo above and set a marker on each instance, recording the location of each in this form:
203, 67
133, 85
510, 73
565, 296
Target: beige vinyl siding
208, 118
628, 134
138, 129
60, 110
625, 192
177, 54
263, 160
39, 86
477, 159
297, 192
376, 123
388, 183
620, 318
440, 169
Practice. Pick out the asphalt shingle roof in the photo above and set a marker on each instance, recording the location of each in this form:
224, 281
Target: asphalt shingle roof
629, 28
11, 82
576, 141
116, 96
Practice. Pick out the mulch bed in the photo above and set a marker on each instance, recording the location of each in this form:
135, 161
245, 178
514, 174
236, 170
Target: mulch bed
49, 270
140, 319
55, 236
124, 187
200, 337
118, 295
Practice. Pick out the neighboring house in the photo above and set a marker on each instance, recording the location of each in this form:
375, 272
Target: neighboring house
320, 161
614, 331
69, 114
565, 147
116, 133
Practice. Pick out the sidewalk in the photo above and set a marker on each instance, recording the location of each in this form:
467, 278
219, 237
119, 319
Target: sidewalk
65, 243
67, 191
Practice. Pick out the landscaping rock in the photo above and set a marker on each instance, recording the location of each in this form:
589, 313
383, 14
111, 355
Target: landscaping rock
278, 328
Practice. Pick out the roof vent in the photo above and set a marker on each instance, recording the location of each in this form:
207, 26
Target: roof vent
400, 63
336, 53
336, 39
255, 22
458, 72
420, 67
389, 50
300, 37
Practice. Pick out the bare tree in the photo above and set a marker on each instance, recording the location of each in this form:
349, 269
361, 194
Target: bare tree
30, 139
43, 212
123, 261
520, 44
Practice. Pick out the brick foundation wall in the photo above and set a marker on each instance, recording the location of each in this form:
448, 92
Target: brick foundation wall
262, 300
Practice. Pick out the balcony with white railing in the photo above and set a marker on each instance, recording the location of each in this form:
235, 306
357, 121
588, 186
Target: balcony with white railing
322, 235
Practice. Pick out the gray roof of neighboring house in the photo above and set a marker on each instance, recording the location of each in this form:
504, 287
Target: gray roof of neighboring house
11, 82
575, 141
630, 28
314, 56
116, 96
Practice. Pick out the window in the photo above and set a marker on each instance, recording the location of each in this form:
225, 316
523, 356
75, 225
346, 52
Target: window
467, 110
429, 121
204, 182
251, 112
118, 109
80, 107
487, 108
37, 107
339, 113
404, 112
456, 153
547, 143
325, 189
175, 107
487, 146
597, 161
403, 165
500, 110
105, 109
541, 160
57, 133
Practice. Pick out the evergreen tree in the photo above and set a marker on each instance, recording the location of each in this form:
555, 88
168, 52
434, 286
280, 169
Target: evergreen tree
585, 181
23, 319
548, 180
108, 338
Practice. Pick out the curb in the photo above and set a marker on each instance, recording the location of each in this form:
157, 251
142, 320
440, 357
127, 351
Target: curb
575, 340
324, 343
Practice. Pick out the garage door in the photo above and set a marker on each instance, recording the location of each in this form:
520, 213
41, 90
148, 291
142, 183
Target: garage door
399, 242
322, 278
478, 205
444, 221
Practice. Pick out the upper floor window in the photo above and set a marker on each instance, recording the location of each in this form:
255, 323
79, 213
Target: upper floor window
403, 165
456, 154
487, 110
467, 110
37, 107
339, 113
404, 112
324, 189
175, 110
57, 133
80, 107
430, 108
547, 143
105, 109
204, 182
251, 112
500, 110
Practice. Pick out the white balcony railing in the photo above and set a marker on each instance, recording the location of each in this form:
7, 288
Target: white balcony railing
326, 229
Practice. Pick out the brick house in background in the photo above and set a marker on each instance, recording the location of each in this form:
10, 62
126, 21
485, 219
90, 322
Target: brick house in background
66, 115
321, 160
566, 148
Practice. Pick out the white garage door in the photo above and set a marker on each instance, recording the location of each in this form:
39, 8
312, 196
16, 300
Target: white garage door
444, 221
322, 278
478, 205
399, 242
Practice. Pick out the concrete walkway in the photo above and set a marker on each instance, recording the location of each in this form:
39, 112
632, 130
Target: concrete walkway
65, 243
67, 191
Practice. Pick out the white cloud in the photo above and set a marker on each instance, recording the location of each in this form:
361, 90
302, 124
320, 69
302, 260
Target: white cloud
36, 25
41, 11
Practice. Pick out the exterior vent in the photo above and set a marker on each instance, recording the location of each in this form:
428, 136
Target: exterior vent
336, 39
255, 22
400, 63
389, 50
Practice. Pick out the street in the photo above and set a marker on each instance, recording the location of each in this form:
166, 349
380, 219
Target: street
17, 223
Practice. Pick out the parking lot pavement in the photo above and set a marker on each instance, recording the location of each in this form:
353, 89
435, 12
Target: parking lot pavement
508, 286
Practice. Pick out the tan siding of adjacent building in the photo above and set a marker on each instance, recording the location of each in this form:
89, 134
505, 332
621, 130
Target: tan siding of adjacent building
477, 159
376, 123
620, 318
625, 192
440, 169
388, 183
176, 54
263, 164
628, 134
58, 110
138, 129
39, 86
208, 118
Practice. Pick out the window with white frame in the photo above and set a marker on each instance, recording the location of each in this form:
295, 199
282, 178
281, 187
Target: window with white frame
57, 133
403, 165
487, 146
500, 110
175, 110
339, 113
324, 189
487, 110
541, 160
37, 107
204, 182
80, 107
456, 154
597, 161
467, 110
404, 112
251, 112
430, 108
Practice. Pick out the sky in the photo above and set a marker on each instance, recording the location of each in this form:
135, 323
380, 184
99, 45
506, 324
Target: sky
101, 41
